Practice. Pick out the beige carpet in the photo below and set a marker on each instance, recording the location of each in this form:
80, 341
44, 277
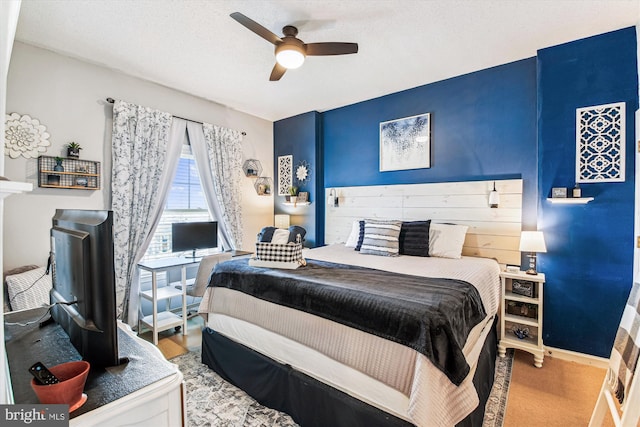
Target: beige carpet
561, 393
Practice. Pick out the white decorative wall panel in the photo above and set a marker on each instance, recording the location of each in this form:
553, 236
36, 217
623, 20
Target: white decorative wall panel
600, 143
285, 174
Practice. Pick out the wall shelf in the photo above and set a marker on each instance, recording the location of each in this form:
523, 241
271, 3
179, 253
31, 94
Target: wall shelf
77, 174
263, 186
252, 168
570, 200
296, 204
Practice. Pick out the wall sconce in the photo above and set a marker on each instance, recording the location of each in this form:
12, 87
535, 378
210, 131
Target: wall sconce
282, 221
532, 242
494, 197
332, 199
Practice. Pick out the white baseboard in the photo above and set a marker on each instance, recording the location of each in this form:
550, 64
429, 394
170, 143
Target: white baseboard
573, 356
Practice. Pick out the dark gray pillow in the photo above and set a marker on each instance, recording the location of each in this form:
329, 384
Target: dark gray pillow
266, 234
414, 238
294, 230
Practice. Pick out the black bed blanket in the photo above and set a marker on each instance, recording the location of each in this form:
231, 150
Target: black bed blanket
431, 315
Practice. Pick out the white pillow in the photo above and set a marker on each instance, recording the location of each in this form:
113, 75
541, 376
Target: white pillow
446, 240
29, 289
352, 241
280, 236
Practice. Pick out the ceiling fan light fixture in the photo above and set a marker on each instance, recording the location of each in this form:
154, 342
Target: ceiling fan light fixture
289, 56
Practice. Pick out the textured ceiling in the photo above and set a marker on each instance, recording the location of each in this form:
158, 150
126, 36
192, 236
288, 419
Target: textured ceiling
194, 46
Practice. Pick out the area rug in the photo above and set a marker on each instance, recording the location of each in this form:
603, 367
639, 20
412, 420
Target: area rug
211, 401
497, 402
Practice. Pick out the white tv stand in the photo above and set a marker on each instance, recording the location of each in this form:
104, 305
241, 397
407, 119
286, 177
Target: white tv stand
147, 391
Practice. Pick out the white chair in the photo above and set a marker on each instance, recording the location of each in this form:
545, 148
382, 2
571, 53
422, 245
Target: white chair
197, 286
624, 355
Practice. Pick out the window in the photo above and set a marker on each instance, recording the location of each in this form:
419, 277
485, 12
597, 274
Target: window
186, 203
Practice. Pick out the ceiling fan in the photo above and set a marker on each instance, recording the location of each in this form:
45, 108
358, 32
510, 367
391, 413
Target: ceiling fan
290, 50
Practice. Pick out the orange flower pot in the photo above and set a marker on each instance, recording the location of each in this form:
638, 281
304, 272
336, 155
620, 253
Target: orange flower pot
72, 376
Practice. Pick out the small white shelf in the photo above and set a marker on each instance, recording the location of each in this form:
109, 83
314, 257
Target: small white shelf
166, 320
527, 344
297, 204
520, 298
533, 342
570, 200
163, 293
521, 320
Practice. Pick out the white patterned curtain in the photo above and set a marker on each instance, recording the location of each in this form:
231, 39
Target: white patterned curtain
218, 155
146, 149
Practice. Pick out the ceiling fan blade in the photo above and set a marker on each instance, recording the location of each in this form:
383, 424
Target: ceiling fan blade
319, 49
256, 28
277, 72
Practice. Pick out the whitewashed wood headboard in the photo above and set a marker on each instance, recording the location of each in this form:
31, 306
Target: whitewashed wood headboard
493, 232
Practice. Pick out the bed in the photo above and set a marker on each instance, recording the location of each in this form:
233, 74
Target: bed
296, 342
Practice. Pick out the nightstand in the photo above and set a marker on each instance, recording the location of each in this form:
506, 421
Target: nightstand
521, 314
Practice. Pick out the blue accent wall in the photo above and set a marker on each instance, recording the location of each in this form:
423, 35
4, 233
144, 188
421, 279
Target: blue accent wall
512, 121
483, 126
589, 259
301, 136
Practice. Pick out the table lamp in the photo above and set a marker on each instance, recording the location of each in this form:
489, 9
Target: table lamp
532, 242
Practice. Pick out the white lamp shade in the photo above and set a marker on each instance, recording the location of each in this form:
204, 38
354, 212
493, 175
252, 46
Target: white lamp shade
532, 241
282, 220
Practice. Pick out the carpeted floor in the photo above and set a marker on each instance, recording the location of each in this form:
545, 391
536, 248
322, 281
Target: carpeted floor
211, 401
559, 394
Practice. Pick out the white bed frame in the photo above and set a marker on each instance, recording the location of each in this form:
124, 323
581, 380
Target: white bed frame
493, 232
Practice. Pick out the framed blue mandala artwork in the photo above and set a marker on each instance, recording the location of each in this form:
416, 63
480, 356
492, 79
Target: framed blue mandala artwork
405, 143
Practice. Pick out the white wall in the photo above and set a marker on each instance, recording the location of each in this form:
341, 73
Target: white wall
68, 97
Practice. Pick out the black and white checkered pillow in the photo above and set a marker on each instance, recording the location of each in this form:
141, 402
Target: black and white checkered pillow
290, 252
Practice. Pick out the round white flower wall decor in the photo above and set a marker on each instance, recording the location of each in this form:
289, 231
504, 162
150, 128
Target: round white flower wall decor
24, 136
303, 171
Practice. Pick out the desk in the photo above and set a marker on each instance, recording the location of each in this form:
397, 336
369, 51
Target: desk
161, 321
146, 391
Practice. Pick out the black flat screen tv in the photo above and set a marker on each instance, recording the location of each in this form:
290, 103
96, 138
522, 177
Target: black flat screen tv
189, 236
84, 291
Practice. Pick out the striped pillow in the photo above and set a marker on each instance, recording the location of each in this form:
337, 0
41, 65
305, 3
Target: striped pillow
381, 237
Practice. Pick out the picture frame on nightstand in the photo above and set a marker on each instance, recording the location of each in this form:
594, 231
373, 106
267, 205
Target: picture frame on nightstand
523, 287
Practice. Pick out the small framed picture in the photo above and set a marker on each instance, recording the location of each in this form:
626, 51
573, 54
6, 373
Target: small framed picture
523, 287
303, 197
559, 192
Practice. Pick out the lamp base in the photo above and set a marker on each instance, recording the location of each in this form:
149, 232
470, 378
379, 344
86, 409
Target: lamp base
532, 264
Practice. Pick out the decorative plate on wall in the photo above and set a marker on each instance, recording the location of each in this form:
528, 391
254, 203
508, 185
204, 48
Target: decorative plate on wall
303, 172
24, 136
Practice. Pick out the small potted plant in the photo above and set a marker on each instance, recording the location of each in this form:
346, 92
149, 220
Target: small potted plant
73, 150
293, 194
